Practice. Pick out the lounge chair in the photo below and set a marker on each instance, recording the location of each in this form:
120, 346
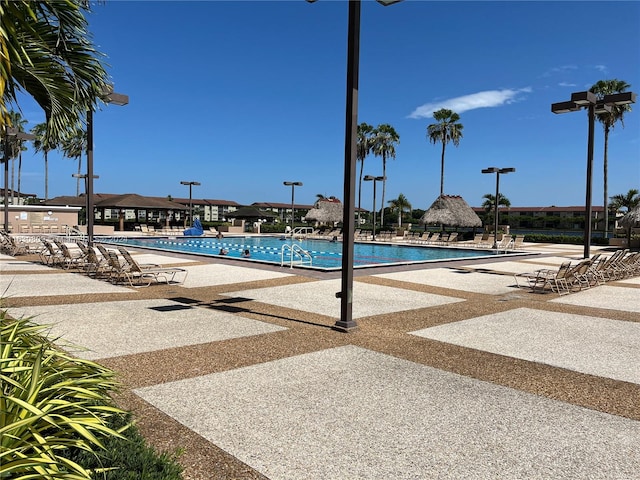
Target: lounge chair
151, 272
96, 266
50, 254
538, 280
70, 259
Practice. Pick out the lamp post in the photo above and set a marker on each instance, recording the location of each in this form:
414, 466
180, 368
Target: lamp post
10, 132
371, 178
191, 184
108, 97
346, 322
589, 100
293, 186
497, 171
86, 200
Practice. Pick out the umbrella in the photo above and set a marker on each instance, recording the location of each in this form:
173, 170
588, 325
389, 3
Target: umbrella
452, 211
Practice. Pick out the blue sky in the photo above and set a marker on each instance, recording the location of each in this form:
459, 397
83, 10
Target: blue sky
242, 96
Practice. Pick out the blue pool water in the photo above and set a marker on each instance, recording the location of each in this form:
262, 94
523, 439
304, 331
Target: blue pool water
324, 254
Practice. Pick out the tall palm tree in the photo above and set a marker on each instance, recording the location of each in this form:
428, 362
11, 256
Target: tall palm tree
47, 52
365, 132
43, 143
384, 139
72, 147
608, 120
446, 130
400, 205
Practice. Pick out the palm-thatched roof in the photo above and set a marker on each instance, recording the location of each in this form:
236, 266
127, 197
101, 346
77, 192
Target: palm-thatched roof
326, 210
631, 218
452, 211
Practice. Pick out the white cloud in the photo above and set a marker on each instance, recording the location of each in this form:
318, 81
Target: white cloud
601, 68
559, 70
486, 99
567, 84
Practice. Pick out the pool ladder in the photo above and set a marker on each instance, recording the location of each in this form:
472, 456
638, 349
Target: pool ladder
294, 254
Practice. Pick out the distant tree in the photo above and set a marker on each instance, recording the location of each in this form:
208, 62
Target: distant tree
608, 120
15, 147
446, 130
73, 146
489, 204
44, 143
385, 139
400, 205
630, 200
365, 132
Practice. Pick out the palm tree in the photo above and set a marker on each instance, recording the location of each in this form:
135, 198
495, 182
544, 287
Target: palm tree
489, 203
384, 141
608, 120
446, 130
48, 53
15, 147
630, 200
43, 143
365, 132
400, 205
72, 147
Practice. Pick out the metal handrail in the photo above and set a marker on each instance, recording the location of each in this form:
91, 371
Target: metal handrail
297, 255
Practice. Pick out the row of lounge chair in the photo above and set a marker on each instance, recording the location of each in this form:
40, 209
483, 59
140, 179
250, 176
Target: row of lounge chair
116, 266
570, 277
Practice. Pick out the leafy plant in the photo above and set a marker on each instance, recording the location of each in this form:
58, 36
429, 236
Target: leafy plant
50, 402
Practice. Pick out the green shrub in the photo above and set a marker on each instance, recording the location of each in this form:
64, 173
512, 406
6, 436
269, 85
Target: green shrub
50, 403
129, 458
57, 419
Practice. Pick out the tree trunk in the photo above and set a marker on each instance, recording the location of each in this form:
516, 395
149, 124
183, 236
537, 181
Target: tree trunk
384, 184
19, 175
78, 179
46, 176
605, 180
360, 190
444, 143
13, 170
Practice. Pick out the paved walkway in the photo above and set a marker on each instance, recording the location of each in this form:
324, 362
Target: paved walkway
453, 373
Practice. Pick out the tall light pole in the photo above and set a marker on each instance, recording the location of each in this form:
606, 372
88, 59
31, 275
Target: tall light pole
10, 132
346, 322
589, 100
191, 184
116, 99
293, 186
86, 200
371, 178
497, 171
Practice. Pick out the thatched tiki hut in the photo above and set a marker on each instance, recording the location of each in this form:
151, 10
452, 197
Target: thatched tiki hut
630, 220
451, 211
326, 210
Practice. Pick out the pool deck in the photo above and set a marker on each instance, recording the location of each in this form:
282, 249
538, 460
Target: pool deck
452, 373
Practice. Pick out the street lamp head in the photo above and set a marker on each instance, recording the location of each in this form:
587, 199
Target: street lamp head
564, 107
624, 98
507, 170
295, 184
109, 96
583, 98
189, 183
369, 178
490, 170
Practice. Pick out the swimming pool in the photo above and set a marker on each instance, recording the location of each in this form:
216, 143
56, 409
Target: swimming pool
322, 254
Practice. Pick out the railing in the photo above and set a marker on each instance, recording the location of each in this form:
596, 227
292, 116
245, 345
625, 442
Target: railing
301, 232
294, 254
